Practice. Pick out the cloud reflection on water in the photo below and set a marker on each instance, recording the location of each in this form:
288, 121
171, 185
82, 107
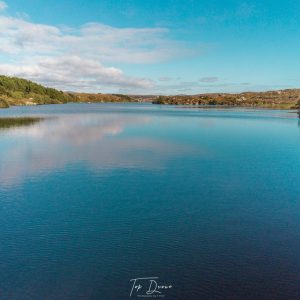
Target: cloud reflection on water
99, 142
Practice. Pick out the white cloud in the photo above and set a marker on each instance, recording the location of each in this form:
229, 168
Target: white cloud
75, 73
3, 5
106, 43
76, 58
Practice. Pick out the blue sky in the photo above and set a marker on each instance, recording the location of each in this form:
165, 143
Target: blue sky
152, 46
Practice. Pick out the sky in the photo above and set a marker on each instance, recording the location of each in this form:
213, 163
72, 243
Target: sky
152, 46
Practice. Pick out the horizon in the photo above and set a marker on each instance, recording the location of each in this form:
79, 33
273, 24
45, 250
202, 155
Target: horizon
165, 95
152, 48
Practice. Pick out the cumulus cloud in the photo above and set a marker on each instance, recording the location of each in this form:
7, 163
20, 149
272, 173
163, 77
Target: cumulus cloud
106, 43
75, 57
74, 72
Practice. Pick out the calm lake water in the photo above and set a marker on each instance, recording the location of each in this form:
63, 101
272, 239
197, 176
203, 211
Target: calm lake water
208, 200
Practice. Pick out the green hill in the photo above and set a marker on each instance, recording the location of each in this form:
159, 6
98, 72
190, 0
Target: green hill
17, 91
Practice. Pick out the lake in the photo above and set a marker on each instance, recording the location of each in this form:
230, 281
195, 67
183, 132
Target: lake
207, 201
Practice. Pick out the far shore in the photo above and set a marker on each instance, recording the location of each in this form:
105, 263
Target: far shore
184, 102
17, 91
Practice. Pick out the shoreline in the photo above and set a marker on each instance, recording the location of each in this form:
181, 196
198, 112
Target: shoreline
181, 105
17, 91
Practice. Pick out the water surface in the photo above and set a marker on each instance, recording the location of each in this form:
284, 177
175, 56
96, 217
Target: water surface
95, 195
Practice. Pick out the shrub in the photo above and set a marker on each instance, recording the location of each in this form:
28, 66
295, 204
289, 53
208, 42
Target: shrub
3, 103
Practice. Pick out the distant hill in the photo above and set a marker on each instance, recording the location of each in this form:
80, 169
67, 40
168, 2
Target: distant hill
282, 99
93, 98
